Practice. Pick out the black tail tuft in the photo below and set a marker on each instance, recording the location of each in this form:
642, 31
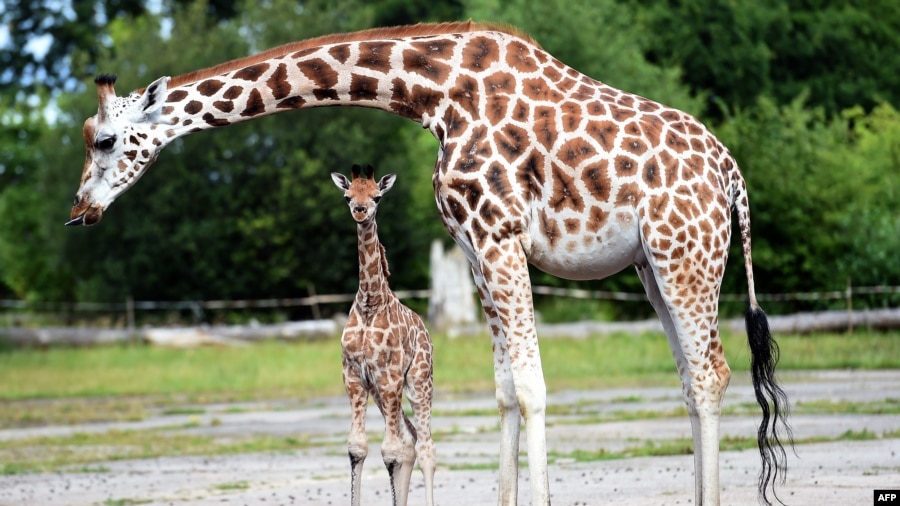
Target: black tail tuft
773, 401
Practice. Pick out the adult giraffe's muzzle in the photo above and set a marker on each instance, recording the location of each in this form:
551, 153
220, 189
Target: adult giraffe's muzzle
84, 214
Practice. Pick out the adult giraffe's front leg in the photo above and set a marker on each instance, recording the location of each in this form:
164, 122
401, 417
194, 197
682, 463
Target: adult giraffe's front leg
501, 275
507, 403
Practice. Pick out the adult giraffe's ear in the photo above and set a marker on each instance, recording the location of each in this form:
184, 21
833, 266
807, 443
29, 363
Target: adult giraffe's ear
340, 181
387, 182
149, 105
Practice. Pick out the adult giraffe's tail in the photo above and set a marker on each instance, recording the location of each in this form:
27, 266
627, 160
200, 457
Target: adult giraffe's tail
774, 428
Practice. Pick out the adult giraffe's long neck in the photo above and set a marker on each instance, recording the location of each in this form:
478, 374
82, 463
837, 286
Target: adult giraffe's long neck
373, 268
406, 76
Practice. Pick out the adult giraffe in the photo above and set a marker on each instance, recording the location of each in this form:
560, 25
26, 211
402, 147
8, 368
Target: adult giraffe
537, 163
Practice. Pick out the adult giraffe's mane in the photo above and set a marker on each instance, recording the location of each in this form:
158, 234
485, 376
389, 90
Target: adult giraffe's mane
421, 29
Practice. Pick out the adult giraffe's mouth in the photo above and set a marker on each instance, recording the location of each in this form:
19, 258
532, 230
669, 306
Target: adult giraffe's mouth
85, 216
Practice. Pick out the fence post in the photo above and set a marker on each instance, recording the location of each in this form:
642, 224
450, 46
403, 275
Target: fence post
849, 295
311, 288
129, 317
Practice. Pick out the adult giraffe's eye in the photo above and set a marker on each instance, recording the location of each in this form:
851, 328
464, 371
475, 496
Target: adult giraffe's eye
105, 144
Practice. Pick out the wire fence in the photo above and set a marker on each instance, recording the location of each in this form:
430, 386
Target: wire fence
316, 300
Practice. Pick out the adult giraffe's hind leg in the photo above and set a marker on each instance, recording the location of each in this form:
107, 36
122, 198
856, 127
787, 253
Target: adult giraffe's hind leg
692, 333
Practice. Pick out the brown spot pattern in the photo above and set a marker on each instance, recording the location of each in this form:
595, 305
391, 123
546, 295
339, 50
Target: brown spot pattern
252, 72
465, 94
549, 229
278, 82
545, 126
233, 92
363, 88
255, 105
500, 82
518, 56
193, 107
340, 52
603, 132
490, 213
576, 151
626, 166
176, 96
511, 141
597, 180
421, 63
209, 87
224, 105
565, 193
497, 106
530, 174
539, 89
628, 194
375, 55
320, 73
480, 53
498, 182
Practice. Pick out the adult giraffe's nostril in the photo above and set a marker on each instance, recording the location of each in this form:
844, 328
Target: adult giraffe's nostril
77, 200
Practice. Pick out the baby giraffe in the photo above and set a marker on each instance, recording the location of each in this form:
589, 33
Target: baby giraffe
385, 348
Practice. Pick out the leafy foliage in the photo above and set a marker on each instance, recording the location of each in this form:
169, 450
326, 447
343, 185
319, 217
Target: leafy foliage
824, 196
842, 53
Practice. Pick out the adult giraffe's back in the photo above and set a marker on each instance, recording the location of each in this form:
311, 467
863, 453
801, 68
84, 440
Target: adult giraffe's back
537, 163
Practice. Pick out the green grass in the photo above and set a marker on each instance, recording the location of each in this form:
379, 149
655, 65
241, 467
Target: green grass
68, 385
52, 453
60, 385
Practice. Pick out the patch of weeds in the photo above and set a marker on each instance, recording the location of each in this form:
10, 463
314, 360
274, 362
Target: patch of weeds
465, 412
864, 435
58, 453
89, 469
891, 434
14, 468
43, 412
125, 502
622, 416
888, 406
628, 398
183, 411
483, 466
233, 485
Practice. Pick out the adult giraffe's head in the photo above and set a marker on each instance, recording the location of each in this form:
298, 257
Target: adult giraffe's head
121, 141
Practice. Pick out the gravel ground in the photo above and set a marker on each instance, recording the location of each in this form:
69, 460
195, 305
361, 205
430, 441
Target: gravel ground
835, 472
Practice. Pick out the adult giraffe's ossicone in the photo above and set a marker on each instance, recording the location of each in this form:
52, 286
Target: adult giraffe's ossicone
537, 163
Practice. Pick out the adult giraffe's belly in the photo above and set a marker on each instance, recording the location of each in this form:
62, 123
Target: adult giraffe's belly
572, 248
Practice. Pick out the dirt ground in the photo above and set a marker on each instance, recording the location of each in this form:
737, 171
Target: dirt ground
834, 472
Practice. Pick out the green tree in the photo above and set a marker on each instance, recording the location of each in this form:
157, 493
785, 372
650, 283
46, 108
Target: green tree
823, 194
842, 53
31, 260
43, 35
